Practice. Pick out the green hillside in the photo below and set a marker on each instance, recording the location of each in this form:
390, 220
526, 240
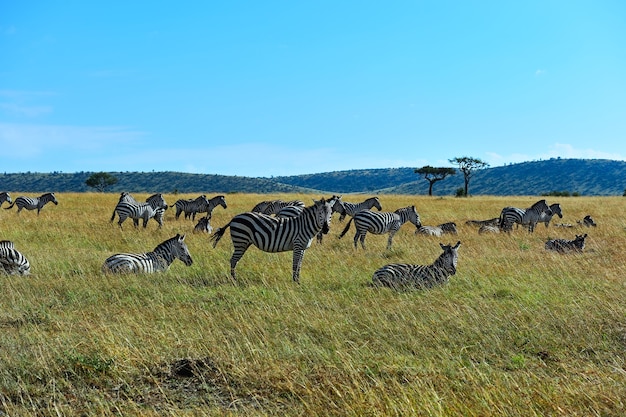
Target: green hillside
591, 177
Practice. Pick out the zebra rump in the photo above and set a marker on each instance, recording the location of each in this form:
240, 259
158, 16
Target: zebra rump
158, 260
399, 276
563, 245
12, 262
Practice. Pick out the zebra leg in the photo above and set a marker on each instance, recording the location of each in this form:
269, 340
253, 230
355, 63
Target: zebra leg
390, 239
360, 237
178, 211
320, 237
237, 255
298, 255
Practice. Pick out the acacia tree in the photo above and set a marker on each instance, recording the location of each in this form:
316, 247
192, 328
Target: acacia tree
468, 166
432, 175
101, 181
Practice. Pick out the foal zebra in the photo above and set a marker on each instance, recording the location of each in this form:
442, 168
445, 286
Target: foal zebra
563, 245
379, 223
4, 196
158, 260
271, 234
353, 208
32, 203
154, 207
399, 276
12, 262
529, 216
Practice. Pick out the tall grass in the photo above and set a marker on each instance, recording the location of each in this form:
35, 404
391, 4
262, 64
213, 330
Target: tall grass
518, 331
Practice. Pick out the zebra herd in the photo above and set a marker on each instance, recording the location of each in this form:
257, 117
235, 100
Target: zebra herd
278, 226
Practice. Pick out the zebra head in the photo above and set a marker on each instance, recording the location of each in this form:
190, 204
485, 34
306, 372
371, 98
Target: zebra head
220, 200
448, 259
337, 204
157, 201
4, 196
376, 203
410, 214
579, 242
49, 197
180, 250
556, 209
323, 213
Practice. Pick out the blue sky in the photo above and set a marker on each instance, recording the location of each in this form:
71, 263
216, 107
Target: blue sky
269, 88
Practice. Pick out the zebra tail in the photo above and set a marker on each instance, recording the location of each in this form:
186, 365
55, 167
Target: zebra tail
345, 230
218, 234
113, 216
11, 206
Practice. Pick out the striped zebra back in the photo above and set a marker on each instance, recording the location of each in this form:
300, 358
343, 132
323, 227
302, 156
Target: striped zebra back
399, 276
12, 262
158, 260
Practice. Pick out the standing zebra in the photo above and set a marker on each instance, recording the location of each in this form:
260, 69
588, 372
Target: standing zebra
32, 203
271, 234
545, 218
563, 245
190, 205
218, 200
154, 207
4, 196
399, 276
529, 216
158, 260
12, 262
270, 207
353, 208
379, 223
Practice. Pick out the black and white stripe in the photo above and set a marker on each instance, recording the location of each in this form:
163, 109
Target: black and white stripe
32, 203
546, 218
158, 260
203, 225
480, 223
4, 196
351, 209
379, 223
12, 262
399, 276
154, 207
271, 234
270, 207
564, 245
201, 204
526, 217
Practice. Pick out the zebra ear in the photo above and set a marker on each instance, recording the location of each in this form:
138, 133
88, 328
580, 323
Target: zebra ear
457, 244
181, 238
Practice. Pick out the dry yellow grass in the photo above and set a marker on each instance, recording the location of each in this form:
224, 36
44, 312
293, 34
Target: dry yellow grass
518, 331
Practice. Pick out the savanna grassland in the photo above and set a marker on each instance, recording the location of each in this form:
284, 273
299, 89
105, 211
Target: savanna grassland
517, 331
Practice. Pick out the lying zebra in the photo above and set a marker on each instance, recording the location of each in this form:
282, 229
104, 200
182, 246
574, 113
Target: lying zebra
203, 225
399, 276
489, 222
158, 260
563, 245
12, 262
437, 231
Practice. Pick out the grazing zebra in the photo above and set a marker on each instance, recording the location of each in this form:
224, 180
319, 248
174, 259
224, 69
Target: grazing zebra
12, 262
429, 231
4, 196
154, 207
32, 203
398, 276
271, 234
563, 245
529, 216
379, 223
353, 208
203, 225
489, 222
545, 218
158, 260
274, 206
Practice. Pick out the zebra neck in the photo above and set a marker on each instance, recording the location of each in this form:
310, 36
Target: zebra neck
163, 256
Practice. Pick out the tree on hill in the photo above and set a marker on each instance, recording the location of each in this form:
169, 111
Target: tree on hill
101, 181
432, 175
468, 166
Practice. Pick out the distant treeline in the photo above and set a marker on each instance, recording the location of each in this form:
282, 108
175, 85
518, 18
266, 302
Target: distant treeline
575, 177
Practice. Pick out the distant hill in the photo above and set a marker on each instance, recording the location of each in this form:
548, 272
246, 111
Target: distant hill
591, 177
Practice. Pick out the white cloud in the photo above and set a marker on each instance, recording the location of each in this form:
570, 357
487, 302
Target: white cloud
540, 72
557, 150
